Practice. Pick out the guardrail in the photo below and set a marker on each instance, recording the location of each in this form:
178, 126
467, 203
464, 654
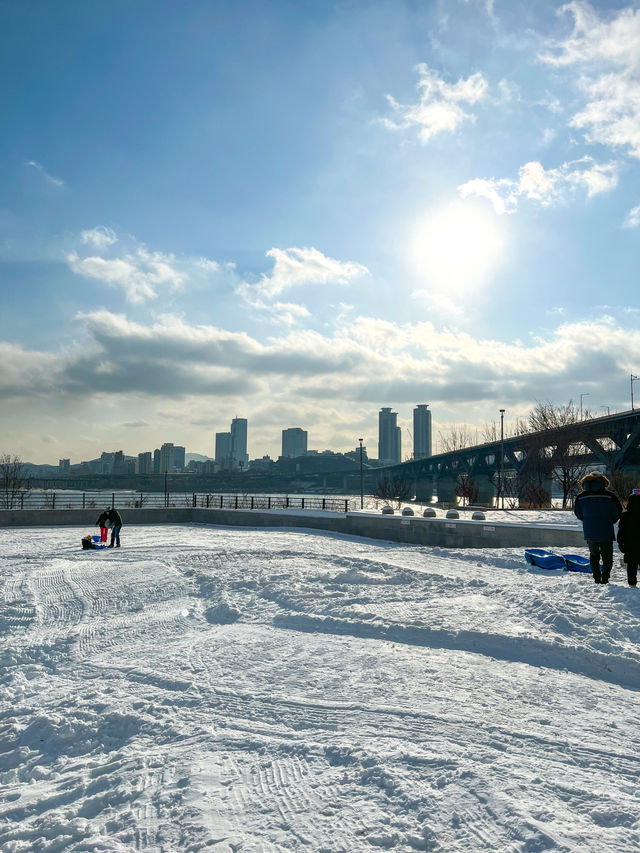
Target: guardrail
161, 500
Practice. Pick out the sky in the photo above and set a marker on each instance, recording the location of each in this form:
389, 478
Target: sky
299, 213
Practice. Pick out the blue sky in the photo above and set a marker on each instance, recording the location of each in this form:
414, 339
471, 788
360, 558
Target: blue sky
302, 212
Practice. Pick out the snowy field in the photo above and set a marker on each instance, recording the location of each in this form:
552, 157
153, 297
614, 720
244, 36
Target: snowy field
244, 690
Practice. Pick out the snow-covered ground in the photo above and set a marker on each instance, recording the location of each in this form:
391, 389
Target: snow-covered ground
271, 690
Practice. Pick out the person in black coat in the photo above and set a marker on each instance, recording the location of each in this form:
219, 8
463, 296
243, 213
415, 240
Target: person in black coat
598, 509
102, 524
116, 524
629, 537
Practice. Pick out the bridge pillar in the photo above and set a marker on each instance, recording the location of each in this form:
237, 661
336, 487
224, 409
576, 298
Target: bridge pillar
446, 490
486, 491
424, 489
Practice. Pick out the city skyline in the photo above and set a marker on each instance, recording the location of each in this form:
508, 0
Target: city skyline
225, 449
305, 212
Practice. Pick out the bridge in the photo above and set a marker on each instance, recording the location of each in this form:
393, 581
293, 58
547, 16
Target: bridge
610, 442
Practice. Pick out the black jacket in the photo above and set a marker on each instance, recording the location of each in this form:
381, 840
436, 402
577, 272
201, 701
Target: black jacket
598, 509
114, 518
102, 518
629, 530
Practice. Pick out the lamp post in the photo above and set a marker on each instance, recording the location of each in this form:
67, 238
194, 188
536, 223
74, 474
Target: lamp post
608, 408
500, 494
166, 494
361, 478
586, 394
633, 379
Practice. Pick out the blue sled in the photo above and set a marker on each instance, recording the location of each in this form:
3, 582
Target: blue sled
576, 563
544, 559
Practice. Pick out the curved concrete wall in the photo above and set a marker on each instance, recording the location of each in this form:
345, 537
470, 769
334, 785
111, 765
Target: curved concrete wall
413, 530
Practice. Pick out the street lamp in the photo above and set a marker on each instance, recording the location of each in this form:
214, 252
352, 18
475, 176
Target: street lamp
361, 477
633, 379
586, 394
608, 408
166, 494
500, 494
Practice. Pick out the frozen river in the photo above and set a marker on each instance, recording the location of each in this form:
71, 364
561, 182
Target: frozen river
268, 690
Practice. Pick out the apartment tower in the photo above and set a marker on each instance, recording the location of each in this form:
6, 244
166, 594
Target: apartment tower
389, 437
421, 431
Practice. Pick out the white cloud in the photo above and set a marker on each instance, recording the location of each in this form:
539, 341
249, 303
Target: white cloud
633, 218
50, 179
616, 40
291, 268
99, 238
306, 266
440, 107
599, 178
284, 313
545, 186
138, 274
502, 193
207, 265
538, 184
133, 268
609, 50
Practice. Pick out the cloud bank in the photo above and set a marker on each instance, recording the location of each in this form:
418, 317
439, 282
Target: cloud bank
370, 362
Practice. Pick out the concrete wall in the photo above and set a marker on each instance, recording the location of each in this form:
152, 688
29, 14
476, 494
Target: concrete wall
87, 517
413, 530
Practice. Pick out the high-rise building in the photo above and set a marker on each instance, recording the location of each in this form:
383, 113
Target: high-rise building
294, 442
167, 462
178, 457
64, 466
106, 462
239, 442
223, 449
389, 437
145, 463
156, 461
421, 431
120, 463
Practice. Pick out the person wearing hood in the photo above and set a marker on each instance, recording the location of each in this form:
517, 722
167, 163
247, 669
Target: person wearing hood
116, 523
598, 509
629, 537
103, 523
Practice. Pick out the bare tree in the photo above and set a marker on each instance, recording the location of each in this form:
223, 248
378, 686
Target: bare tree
466, 489
12, 480
622, 483
457, 437
490, 432
568, 453
393, 489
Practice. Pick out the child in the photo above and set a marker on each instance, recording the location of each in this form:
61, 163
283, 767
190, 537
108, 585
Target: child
104, 523
629, 537
87, 543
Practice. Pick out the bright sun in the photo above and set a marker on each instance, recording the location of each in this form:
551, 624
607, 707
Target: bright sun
455, 249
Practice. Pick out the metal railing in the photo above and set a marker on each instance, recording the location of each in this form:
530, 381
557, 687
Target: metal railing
161, 500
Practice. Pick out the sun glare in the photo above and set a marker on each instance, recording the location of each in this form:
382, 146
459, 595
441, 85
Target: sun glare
455, 249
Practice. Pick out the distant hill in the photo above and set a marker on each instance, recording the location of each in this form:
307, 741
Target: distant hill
195, 457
